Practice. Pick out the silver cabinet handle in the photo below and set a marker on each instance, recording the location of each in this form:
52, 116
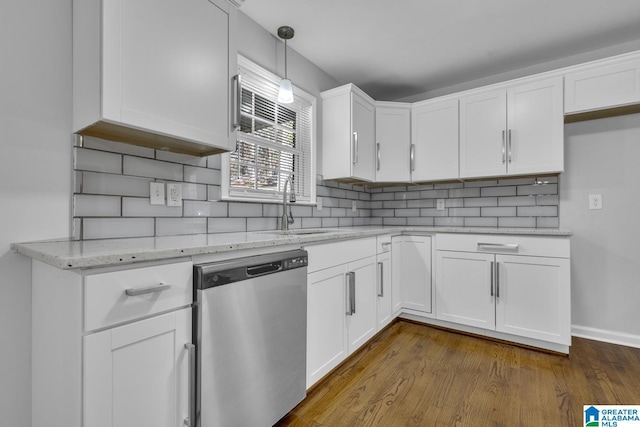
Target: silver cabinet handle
351, 293
237, 87
412, 157
191, 350
354, 148
507, 246
378, 156
134, 292
492, 270
504, 148
497, 280
509, 145
380, 279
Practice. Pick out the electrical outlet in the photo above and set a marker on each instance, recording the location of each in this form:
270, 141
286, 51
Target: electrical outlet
354, 207
319, 203
174, 195
156, 193
440, 204
595, 201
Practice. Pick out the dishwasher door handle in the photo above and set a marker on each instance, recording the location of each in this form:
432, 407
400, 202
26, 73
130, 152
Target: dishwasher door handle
351, 293
190, 421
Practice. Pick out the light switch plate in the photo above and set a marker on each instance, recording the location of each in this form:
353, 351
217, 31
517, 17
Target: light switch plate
156, 193
174, 195
595, 201
440, 204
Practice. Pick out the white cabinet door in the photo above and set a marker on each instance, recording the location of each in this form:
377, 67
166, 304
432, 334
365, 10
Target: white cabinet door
137, 375
348, 134
160, 68
533, 297
434, 136
411, 272
464, 288
326, 321
361, 324
535, 139
393, 137
384, 291
612, 83
483, 124
363, 134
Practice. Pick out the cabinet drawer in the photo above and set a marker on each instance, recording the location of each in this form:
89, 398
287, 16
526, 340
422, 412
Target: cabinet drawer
333, 254
107, 302
548, 246
383, 244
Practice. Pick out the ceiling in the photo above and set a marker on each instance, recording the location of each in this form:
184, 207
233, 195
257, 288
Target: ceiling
395, 49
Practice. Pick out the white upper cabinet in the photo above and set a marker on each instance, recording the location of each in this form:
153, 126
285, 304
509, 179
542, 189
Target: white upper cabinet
393, 141
156, 73
517, 130
434, 135
605, 84
348, 135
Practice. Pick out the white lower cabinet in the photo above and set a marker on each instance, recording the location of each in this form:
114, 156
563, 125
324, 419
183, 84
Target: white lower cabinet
341, 303
111, 345
505, 284
137, 374
411, 270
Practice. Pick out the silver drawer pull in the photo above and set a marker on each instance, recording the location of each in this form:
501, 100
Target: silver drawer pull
131, 292
509, 246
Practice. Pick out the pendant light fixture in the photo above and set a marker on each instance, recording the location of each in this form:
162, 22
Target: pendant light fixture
285, 93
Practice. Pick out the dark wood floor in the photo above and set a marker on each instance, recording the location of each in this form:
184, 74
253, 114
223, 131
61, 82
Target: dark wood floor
416, 375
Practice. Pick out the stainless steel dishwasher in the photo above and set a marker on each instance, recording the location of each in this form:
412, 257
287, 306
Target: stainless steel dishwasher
250, 330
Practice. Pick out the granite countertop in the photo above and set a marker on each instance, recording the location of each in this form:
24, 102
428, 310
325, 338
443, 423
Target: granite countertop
71, 254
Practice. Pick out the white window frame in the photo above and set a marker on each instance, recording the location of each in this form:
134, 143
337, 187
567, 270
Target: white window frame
275, 196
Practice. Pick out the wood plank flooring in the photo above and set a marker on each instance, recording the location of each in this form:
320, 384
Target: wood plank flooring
417, 375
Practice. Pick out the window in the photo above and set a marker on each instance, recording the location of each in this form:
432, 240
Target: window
274, 141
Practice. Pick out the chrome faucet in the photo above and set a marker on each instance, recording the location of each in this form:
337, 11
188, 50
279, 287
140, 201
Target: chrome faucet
287, 219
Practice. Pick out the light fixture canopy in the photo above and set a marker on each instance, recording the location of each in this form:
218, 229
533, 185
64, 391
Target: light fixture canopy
285, 93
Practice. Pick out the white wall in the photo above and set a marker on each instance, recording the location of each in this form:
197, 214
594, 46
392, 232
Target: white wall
35, 171
603, 157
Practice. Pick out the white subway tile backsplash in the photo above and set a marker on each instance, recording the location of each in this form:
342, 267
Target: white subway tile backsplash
194, 191
89, 205
97, 161
121, 185
245, 209
137, 166
480, 222
112, 182
226, 225
520, 222
498, 191
193, 208
202, 175
110, 228
136, 207
177, 226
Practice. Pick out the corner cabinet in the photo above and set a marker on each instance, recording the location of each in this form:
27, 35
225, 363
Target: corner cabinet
393, 142
411, 268
341, 302
516, 130
515, 285
348, 135
156, 73
112, 346
434, 135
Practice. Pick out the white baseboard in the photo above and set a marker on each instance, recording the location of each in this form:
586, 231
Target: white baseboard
612, 337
